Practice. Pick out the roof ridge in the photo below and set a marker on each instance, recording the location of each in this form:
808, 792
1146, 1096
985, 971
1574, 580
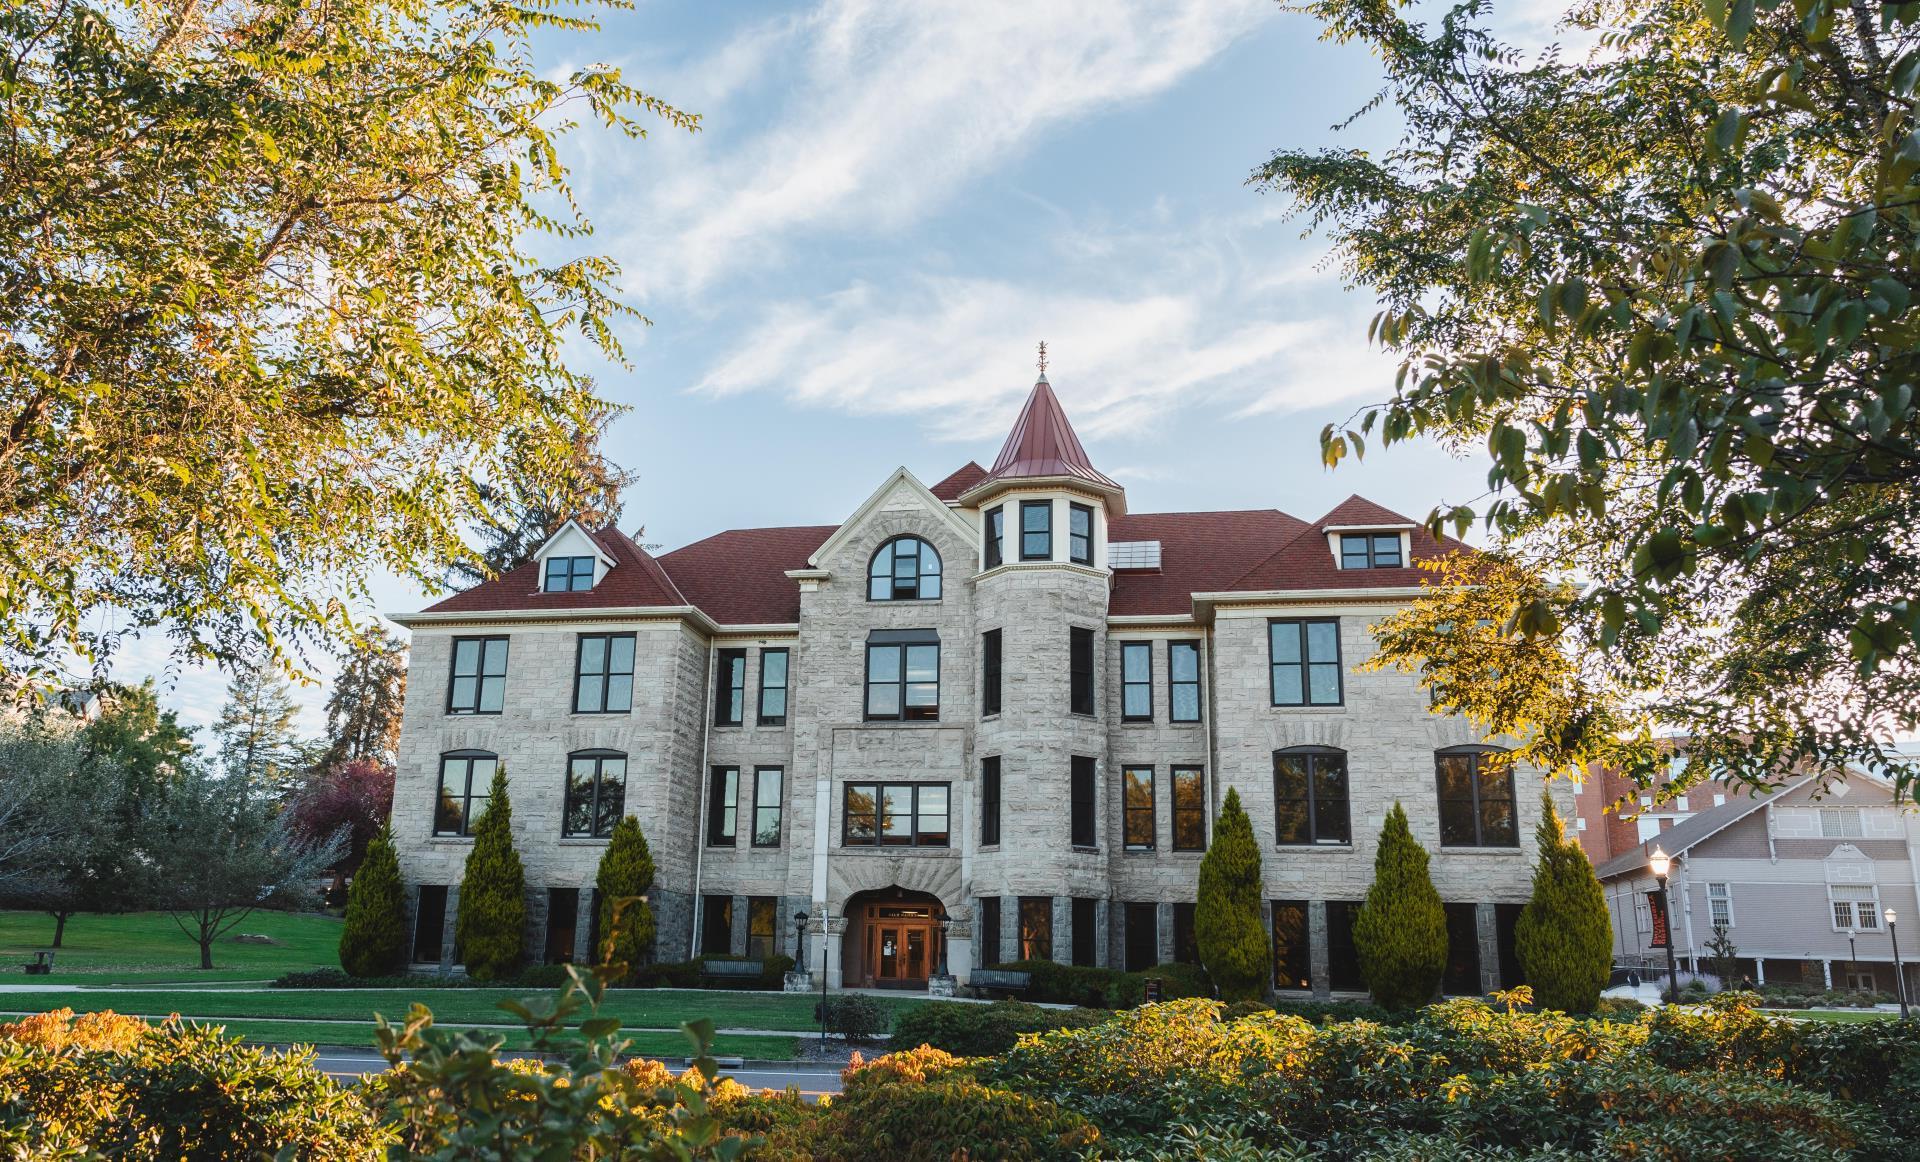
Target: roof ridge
646, 561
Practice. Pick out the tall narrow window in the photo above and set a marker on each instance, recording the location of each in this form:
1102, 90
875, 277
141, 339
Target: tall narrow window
1036, 927
1720, 904
1136, 789
479, 683
990, 801
730, 689
1370, 551
1305, 658
1310, 796
996, 535
1079, 670
1085, 834
1292, 946
568, 574
773, 687
1086, 931
1189, 809
1476, 798
466, 780
763, 925
1080, 534
1183, 681
989, 673
903, 674
988, 934
1036, 530
1143, 936
603, 674
904, 569
596, 794
1343, 958
429, 923
766, 806
716, 925
723, 807
1186, 943
1136, 681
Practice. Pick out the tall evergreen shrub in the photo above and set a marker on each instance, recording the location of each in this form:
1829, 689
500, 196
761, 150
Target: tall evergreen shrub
493, 893
1226, 921
1565, 937
626, 872
373, 942
1401, 933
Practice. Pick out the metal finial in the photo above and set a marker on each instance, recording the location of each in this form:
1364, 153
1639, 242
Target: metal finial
1043, 358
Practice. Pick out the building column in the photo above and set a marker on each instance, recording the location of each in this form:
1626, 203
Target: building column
960, 949
737, 938
447, 928
1318, 957
1486, 922
830, 950
1163, 934
1759, 971
1826, 974
583, 950
1063, 929
1103, 955
1009, 930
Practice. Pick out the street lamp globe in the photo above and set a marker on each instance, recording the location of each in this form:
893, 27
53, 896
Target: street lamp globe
1889, 914
1660, 862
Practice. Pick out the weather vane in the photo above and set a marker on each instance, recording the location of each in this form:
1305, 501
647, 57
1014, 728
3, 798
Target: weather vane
1043, 358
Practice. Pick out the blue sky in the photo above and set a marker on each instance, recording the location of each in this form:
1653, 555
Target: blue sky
890, 203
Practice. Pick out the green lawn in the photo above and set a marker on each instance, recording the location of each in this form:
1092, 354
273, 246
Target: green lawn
1842, 1015
148, 948
361, 1037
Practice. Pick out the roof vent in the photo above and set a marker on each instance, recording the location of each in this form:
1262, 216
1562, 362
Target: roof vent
1133, 555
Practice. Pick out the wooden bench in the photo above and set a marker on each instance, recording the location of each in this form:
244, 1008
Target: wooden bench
731, 970
42, 964
999, 980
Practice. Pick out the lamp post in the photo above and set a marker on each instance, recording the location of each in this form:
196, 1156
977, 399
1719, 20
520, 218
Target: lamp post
1660, 863
946, 922
825, 918
800, 940
1899, 972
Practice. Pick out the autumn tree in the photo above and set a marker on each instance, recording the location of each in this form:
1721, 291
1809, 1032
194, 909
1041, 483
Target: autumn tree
1670, 291
364, 705
353, 798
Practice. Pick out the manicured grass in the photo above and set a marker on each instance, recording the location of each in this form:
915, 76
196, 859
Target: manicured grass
148, 948
1841, 1015
361, 1037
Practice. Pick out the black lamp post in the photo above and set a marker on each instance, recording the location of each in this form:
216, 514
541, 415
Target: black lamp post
946, 922
825, 918
800, 941
1899, 972
1661, 863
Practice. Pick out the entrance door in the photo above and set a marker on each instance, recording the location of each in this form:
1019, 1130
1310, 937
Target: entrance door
887, 957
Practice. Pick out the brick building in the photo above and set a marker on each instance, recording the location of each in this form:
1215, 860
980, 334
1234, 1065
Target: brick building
989, 719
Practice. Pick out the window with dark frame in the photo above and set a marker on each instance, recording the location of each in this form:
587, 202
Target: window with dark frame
479, 681
1186, 944
1080, 534
1476, 798
1136, 681
466, 781
1036, 928
1310, 796
904, 569
723, 807
763, 926
1370, 551
996, 536
766, 806
1085, 831
990, 801
989, 673
773, 688
988, 911
429, 923
903, 675
1086, 931
1292, 945
1036, 530
1136, 791
596, 794
716, 925
1189, 809
1079, 670
1183, 681
1142, 943
730, 688
896, 815
1305, 657
568, 574
603, 674
1343, 957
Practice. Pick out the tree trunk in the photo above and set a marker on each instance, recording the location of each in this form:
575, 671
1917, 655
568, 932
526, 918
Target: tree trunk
206, 948
59, 927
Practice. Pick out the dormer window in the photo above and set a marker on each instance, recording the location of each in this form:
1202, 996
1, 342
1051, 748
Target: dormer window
568, 574
1370, 551
905, 569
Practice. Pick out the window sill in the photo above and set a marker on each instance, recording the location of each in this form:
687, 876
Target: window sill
584, 841
1086, 850
1136, 722
895, 849
451, 840
1447, 850
475, 713
1342, 848
1321, 707
1140, 851
600, 713
900, 722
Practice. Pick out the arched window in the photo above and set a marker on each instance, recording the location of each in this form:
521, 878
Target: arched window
596, 793
1476, 797
466, 779
905, 569
1310, 796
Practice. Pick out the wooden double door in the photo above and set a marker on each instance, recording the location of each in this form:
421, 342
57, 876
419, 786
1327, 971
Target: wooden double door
903, 945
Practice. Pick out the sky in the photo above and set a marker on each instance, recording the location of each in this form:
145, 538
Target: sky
888, 205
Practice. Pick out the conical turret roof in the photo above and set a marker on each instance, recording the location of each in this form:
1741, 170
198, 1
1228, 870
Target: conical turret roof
1043, 443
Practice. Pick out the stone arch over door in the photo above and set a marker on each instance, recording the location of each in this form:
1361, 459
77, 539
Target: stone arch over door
892, 911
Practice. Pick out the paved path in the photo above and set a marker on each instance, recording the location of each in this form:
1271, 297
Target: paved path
812, 1081
367, 1023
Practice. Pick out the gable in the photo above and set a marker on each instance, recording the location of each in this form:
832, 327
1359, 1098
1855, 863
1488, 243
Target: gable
900, 494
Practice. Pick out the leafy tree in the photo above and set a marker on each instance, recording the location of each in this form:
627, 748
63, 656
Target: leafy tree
373, 941
626, 920
1723, 954
1565, 937
490, 928
134, 734
1401, 932
64, 827
258, 744
355, 795
273, 308
1226, 920
363, 709
1670, 289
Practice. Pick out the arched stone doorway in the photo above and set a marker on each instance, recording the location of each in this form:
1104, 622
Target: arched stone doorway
893, 939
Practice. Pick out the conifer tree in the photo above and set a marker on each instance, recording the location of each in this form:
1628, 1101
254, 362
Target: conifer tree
373, 942
489, 931
1401, 933
1226, 920
1564, 937
626, 872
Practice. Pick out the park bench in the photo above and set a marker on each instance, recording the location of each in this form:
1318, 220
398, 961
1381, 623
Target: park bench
999, 980
733, 971
42, 964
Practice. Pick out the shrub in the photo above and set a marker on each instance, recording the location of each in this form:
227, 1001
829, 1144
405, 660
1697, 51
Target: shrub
1401, 933
626, 919
1227, 923
490, 928
1618, 1007
984, 1030
60, 1029
1322, 1012
947, 1118
853, 1017
373, 941
1564, 938
685, 974
1239, 1009
919, 1064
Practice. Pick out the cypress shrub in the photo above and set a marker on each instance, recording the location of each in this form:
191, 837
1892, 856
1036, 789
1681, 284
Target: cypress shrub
489, 931
1564, 937
626, 873
1226, 921
373, 942
1401, 933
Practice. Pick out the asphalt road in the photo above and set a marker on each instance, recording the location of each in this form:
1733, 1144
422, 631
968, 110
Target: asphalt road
811, 1080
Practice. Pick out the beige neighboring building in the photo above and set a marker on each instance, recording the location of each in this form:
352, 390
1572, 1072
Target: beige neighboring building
985, 720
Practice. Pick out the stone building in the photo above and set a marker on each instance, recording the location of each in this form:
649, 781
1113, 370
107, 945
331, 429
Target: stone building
976, 722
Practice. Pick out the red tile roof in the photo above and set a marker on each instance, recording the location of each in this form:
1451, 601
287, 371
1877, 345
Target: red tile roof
739, 577
1307, 563
1200, 552
636, 579
963, 478
1042, 443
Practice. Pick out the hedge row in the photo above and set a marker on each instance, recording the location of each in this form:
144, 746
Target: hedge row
1107, 988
